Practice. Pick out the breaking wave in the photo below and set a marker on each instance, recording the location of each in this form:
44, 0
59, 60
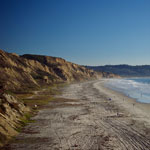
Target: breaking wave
138, 88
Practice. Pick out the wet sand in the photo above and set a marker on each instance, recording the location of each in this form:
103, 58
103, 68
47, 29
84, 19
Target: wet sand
88, 116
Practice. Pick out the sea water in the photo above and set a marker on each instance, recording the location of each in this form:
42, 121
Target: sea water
137, 88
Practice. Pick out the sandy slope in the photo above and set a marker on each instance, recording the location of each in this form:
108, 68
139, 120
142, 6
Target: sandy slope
84, 118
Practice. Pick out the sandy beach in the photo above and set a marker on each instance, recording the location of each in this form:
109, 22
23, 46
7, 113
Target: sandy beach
88, 116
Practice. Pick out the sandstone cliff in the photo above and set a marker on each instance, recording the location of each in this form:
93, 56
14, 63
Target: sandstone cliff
28, 71
19, 73
11, 111
110, 75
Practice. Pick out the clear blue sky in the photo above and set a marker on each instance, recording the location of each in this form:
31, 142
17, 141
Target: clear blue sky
92, 32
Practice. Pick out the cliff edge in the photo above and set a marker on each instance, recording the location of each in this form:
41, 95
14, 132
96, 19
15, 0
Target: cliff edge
30, 71
11, 111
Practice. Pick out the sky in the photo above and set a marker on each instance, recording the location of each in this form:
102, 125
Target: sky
86, 32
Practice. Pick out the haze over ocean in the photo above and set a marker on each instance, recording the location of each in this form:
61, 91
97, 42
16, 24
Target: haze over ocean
89, 32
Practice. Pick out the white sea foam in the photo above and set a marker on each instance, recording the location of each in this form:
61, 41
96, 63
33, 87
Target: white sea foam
138, 88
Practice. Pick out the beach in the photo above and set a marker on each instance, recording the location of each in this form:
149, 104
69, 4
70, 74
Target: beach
88, 116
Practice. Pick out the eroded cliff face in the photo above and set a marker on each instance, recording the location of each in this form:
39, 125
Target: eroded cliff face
19, 73
110, 75
11, 110
27, 71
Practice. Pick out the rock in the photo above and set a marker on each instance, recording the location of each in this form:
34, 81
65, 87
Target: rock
46, 80
10, 112
30, 71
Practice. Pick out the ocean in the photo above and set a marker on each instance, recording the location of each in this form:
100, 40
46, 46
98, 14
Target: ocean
137, 88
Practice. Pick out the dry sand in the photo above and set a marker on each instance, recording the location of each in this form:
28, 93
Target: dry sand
83, 118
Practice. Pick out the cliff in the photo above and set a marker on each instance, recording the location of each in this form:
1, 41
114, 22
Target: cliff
21, 73
11, 110
30, 71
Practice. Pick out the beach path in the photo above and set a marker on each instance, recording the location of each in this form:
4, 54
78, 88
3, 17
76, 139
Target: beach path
86, 117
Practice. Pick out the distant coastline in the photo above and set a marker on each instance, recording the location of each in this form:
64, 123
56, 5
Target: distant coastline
124, 70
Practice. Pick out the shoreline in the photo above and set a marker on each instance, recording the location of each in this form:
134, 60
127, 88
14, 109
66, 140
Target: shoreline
138, 93
83, 117
138, 109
